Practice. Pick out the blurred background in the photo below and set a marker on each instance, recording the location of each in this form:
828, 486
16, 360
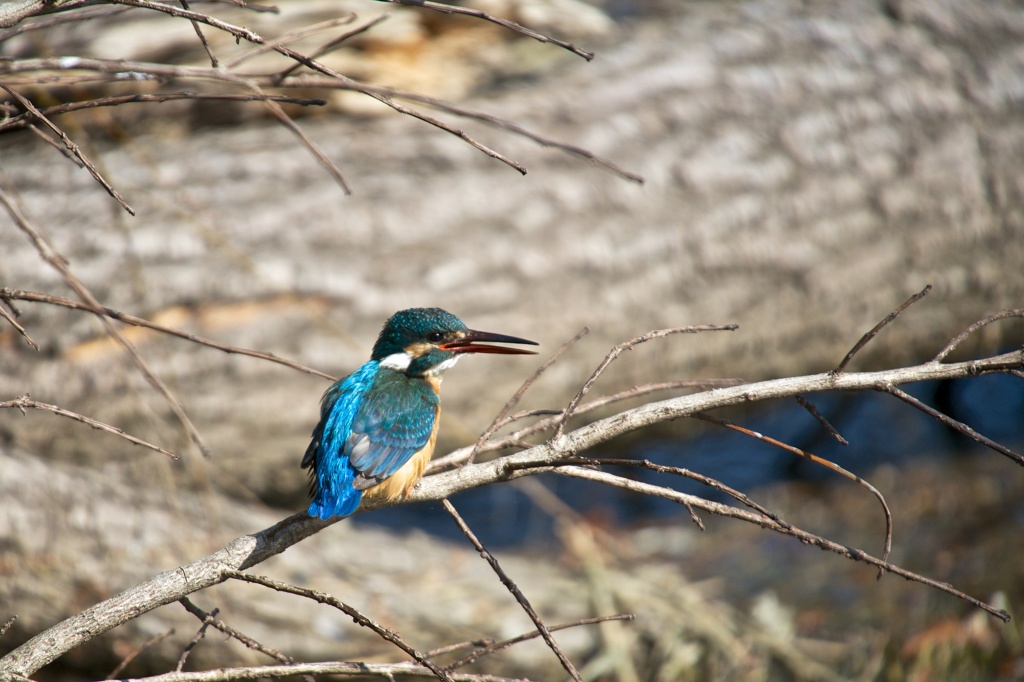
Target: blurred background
807, 167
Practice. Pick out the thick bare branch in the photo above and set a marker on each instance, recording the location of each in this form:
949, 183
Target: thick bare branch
249, 550
16, 11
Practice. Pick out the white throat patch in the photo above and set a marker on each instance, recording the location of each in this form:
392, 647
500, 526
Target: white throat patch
397, 361
444, 366
400, 362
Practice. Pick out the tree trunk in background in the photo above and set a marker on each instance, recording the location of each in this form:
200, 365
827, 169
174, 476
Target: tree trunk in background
808, 167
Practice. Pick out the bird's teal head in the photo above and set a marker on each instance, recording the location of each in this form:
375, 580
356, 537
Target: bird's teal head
427, 341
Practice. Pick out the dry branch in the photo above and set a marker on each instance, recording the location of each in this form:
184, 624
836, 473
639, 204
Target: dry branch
69, 143
355, 615
570, 410
511, 586
491, 647
8, 294
120, 70
817, 460
152, 641
250, 550
361, 670
783, 528
873, 332
26, 401
511, 25
60, 264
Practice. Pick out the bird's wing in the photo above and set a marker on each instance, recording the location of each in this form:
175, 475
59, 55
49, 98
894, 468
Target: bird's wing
337, 410
331, 475
393, 422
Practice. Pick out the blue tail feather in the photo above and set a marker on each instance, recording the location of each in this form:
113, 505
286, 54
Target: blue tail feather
340, 505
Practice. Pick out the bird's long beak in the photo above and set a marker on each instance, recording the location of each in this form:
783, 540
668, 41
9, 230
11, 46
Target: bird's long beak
467, 344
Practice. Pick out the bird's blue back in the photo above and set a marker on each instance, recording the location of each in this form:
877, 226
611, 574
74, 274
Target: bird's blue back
371, 424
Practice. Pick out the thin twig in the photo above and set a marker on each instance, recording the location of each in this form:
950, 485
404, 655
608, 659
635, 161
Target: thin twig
712, 483
359, 618
514, 589
7, 626
195, 640
7, 294
21, 330
48, 139
59, 263
237, 31
252, 6
864, 340
621, 348
202, 38
24, 120
288, 122
458, 646
359, 670
511, 126
72, 147
333, 44
457, 132
290, 36
375, 93
152, 641
329, 79
957, 426
492, 647
958, 339
457, 457
806, 404
817, 460
511, 25
498, 420
765, 522
26, 402
210, 619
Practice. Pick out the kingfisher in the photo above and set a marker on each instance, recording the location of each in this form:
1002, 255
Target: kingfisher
378, 425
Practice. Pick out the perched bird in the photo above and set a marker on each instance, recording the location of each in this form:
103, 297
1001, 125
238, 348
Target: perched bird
378, 426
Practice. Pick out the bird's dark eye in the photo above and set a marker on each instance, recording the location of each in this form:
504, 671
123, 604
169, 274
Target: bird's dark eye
434, 337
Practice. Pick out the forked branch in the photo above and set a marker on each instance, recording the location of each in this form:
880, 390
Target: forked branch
250, 550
